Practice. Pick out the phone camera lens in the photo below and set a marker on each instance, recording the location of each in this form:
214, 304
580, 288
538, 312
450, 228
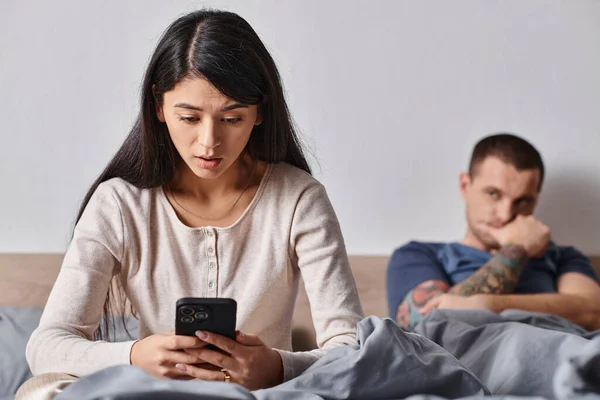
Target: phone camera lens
201, 315
187, 311
186, 319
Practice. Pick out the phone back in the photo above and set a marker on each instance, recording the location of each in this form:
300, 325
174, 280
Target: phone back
205, 314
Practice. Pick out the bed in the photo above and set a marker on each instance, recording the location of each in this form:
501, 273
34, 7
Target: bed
26, 280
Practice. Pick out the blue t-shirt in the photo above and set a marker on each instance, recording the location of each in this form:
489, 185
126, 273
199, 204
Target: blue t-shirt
417, 262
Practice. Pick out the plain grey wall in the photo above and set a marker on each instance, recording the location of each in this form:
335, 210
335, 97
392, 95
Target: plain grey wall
390, 96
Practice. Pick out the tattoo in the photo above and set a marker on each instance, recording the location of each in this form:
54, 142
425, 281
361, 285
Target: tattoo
408, 311
500, 275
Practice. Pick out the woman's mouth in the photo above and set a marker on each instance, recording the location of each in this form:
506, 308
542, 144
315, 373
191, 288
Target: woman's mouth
208, 162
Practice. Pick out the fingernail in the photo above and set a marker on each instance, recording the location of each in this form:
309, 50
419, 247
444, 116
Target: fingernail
181, 367
201, 335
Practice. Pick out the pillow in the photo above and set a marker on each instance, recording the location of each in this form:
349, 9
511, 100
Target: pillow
16, 326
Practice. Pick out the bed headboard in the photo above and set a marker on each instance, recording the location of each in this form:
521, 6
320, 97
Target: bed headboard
26, 280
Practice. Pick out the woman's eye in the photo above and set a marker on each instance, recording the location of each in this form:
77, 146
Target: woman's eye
232, 120
189, 119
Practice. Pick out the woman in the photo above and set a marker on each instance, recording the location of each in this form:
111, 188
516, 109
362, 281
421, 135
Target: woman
209, 196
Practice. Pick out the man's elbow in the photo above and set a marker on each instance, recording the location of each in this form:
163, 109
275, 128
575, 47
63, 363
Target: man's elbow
593, 316
407, 316
403, 315
589, 309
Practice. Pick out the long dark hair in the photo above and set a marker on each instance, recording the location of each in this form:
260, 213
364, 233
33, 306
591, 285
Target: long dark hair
222, 48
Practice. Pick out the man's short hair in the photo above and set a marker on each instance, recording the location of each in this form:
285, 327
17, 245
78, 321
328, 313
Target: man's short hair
509, 148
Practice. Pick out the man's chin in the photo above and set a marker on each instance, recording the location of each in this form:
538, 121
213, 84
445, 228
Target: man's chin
488, 242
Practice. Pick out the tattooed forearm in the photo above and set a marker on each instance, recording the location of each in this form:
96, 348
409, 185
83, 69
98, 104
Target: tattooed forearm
408, 311
500, 275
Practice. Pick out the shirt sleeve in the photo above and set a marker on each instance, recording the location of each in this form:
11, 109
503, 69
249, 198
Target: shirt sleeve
410, 265
318, 250
63, 341
572, 260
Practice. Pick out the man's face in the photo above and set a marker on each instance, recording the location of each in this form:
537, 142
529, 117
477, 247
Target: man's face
495, 194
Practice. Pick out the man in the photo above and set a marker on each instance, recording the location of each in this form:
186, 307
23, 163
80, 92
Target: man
506, 259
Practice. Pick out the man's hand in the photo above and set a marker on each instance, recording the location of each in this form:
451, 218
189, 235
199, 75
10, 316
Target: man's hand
526, 231
454, 302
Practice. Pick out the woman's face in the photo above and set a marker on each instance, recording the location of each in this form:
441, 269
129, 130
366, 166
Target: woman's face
209, 130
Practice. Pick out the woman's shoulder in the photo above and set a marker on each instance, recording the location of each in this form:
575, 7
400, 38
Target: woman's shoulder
124, 192
289, 177
290, 188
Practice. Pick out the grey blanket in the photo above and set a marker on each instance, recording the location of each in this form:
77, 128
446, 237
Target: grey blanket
451, 355
516, 352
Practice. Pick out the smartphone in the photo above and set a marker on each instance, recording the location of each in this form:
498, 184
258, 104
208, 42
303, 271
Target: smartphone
206, 314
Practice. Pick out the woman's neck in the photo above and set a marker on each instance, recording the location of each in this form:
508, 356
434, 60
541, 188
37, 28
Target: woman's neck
234, 179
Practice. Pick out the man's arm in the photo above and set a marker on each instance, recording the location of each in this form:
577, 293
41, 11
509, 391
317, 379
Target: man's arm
411, 266
577, 300
499, 275
521, 239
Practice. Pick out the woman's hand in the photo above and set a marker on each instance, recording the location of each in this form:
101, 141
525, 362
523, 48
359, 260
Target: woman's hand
246, 360
158, 354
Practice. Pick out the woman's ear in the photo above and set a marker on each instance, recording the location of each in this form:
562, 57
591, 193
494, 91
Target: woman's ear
259, 117
158, 106
159, 113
